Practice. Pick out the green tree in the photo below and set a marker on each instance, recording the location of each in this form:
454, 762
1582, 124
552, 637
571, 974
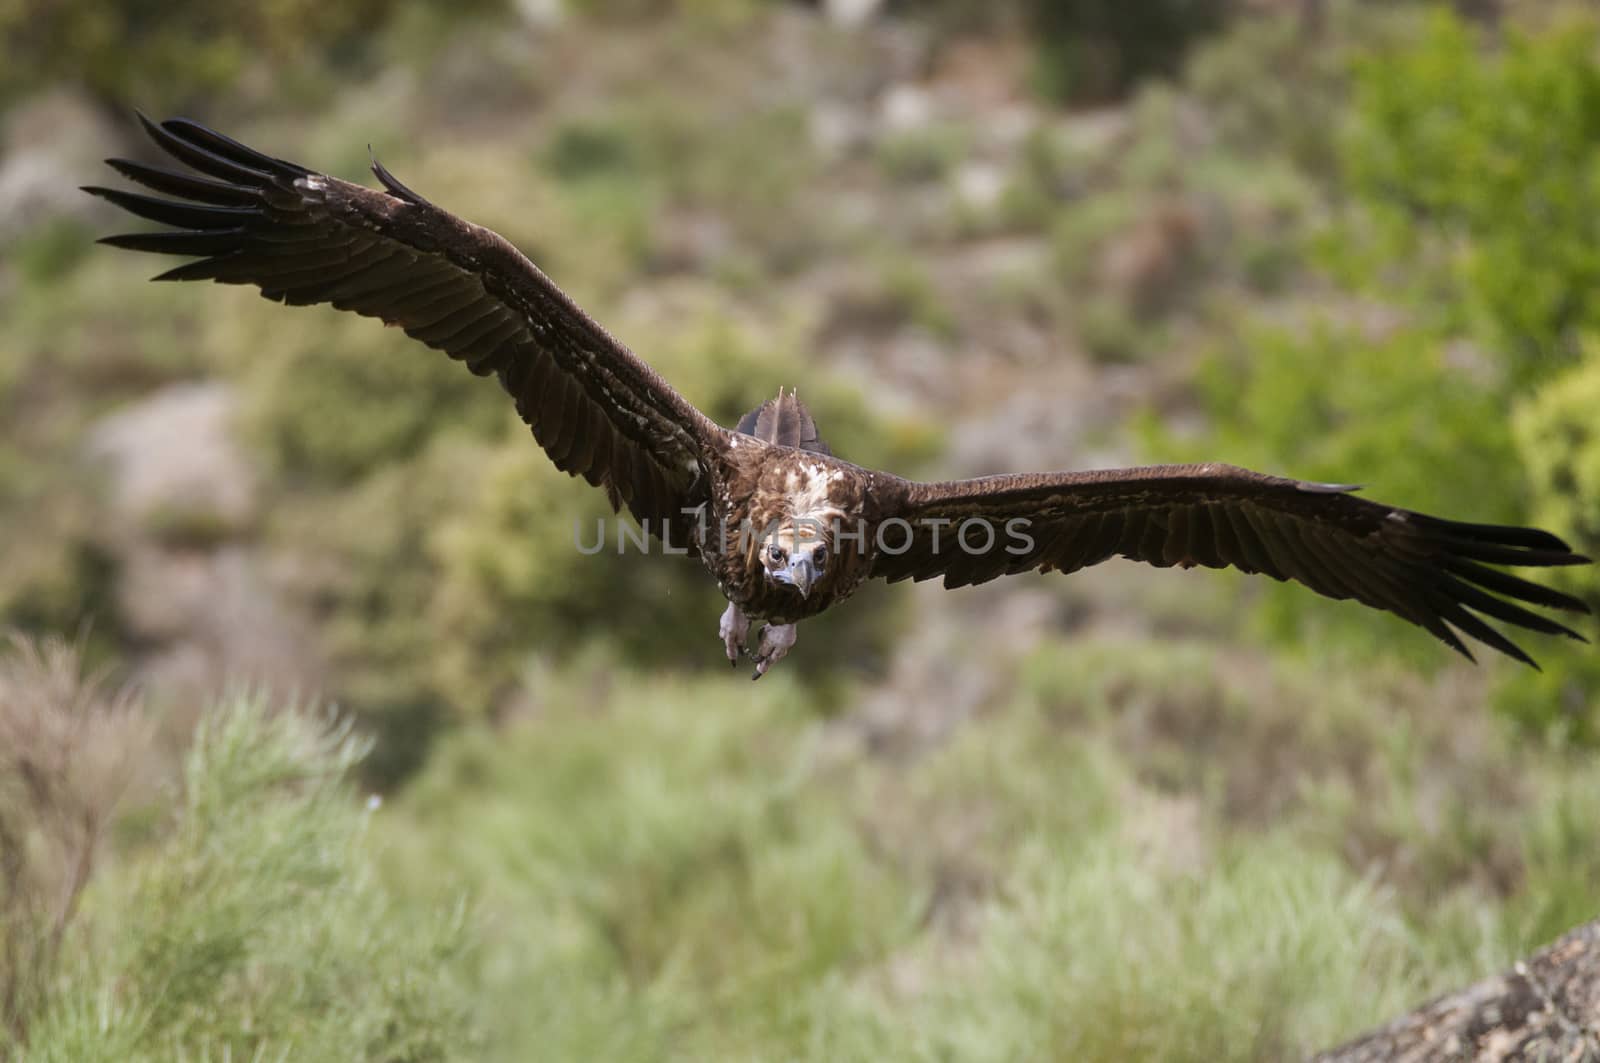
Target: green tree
1470, 180
1474, 165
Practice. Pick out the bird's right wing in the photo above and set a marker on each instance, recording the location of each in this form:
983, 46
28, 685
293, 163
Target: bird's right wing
302, 237
1432, 572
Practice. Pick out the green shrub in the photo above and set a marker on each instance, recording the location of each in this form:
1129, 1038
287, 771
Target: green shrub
1109, 860
1472, 197
1558, 438
50, 251
586, 149
904, 292
926, 154
658, 868
337, 398
367, 574
255, 929
1322, 402
1477, 166
1102, 958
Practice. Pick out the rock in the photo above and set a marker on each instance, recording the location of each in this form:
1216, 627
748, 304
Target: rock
851, 13
979, 184
1545, 1007
47, 146
174, 466
838, 128
905, 108
541, 14
199, 598
213, 618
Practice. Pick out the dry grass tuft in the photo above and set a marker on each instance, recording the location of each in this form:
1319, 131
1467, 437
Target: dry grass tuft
69, 746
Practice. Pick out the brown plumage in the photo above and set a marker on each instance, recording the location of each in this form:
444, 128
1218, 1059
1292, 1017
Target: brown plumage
787, 529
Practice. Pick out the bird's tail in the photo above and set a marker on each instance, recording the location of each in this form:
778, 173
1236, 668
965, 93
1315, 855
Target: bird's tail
784, 421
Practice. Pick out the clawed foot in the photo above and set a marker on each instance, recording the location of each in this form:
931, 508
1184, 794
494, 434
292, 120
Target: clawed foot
734, 628
776, 640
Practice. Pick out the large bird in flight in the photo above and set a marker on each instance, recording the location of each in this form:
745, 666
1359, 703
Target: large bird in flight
785, 528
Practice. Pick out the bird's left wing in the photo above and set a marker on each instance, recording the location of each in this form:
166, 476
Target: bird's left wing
302, 237
1435, 573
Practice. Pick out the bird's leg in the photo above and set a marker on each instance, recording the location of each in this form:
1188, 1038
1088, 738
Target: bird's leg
733, 628
776, 640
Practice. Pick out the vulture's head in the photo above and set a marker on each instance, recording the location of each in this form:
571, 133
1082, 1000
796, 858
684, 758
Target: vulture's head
798, 554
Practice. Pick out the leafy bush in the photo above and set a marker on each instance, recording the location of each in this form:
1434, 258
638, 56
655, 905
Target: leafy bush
255, 929
1113, 859
339, 398
1478, 170
1472, 192
1558, 438
694, 903
925, 154
1324, 402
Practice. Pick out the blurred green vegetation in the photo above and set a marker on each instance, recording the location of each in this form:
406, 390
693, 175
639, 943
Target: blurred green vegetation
1119, 861
248, 922
1463, 248
1476, 178
1092, 49
174, 55
1231, 822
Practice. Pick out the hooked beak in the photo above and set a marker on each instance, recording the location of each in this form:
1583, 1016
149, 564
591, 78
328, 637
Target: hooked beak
799, 573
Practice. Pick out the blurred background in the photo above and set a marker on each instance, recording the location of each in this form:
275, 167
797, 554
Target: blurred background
318, 740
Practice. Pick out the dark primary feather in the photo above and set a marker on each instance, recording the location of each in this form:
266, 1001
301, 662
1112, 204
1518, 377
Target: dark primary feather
301, 237
1431, 572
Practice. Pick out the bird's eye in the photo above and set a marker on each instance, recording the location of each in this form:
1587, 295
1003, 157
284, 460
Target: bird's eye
774, 552
819, 557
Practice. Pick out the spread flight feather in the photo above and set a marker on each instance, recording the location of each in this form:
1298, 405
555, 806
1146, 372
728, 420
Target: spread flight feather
600, 412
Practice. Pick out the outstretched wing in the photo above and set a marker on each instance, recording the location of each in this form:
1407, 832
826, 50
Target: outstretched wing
1432, 572
301, 237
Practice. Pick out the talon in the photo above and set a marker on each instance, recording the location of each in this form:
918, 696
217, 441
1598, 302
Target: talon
733, 629
776, 640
